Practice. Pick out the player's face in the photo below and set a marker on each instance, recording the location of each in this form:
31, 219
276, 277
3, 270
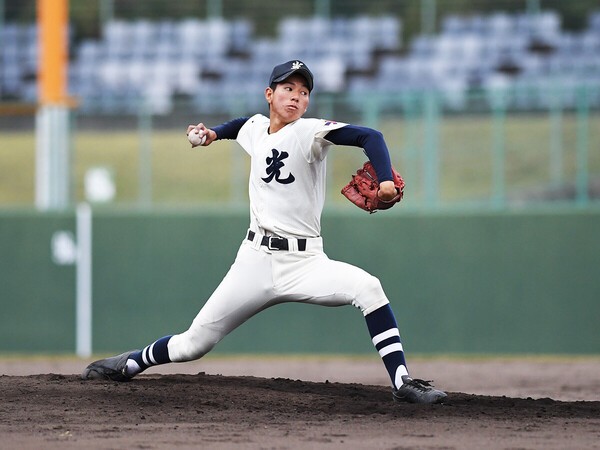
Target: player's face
289, 100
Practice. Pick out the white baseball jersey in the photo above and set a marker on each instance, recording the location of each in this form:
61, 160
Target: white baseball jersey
287, 175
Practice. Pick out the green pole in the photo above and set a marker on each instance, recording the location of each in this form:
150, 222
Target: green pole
72, 157
428, 13
107, 12
145, 154
325, 105
498, 154
431, 150
582, 175
2, 9
322, 8
238, 185
410, 139
214, 9
556, 139
533, 7
325, 111
371, 111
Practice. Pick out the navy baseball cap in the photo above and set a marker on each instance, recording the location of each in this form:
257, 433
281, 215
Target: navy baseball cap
283, 71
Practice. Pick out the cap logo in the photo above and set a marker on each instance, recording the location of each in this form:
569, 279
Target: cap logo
296, 65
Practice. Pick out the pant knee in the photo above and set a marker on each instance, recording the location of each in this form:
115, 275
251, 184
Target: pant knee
371, 295
192, 344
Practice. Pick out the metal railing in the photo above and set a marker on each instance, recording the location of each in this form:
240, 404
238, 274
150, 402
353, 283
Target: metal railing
491, 155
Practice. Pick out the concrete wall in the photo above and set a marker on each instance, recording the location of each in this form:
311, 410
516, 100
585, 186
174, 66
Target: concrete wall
460, 282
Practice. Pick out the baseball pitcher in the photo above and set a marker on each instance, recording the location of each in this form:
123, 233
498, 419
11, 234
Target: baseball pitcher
281, 256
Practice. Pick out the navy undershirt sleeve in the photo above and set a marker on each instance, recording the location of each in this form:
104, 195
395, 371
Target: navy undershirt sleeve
371, 141
230, 130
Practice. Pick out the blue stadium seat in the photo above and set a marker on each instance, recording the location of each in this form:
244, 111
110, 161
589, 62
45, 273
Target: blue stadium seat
354, 55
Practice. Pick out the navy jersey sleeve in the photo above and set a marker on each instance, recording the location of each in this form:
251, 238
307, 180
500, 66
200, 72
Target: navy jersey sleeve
230, 130
371, 141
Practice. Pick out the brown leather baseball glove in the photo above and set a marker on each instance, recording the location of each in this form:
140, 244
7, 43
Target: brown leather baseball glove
363, 187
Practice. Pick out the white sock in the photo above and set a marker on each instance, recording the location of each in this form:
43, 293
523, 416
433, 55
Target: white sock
132, 368
400, 372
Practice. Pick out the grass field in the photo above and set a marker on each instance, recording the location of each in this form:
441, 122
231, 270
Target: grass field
464, 154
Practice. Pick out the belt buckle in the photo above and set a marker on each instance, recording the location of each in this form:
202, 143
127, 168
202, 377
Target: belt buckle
275, 243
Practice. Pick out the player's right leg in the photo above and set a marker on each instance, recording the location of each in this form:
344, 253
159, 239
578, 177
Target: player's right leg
245, 290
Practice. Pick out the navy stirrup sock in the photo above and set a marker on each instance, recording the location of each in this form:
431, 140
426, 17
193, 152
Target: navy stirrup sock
153, 355
386, 339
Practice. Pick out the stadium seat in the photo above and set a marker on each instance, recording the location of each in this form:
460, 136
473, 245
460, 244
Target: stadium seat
353, 55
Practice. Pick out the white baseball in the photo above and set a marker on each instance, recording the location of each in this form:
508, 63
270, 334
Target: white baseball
195, 139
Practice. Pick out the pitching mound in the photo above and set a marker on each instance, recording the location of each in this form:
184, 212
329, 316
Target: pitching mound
214, 411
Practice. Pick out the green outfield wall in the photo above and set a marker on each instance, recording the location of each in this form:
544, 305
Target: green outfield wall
459, 282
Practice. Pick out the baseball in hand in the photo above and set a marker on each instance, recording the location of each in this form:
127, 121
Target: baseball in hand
195, 139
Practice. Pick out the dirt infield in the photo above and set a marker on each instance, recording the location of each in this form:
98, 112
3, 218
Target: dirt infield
298, 403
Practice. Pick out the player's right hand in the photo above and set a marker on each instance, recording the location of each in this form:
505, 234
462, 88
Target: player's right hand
201, 128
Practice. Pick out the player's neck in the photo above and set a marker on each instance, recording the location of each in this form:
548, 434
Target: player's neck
276, 125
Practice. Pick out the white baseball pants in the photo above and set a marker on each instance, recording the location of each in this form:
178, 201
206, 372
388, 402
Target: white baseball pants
260, 278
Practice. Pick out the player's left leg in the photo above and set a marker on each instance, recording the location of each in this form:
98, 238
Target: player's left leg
385, 336
386, 339
320, 280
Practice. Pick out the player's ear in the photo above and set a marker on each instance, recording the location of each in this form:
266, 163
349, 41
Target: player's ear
269, 94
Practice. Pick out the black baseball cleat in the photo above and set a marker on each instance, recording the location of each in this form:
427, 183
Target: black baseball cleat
112, 368
417, 391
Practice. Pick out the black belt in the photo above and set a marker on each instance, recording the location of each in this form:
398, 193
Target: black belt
276, 242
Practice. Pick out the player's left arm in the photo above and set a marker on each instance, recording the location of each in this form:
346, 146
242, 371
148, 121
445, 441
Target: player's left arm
374, 145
